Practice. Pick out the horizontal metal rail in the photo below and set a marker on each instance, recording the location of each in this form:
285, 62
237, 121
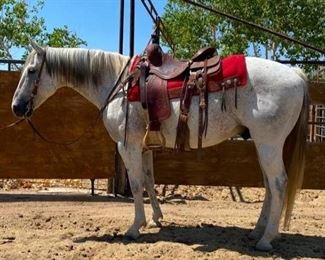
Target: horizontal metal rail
11, 62
309, 62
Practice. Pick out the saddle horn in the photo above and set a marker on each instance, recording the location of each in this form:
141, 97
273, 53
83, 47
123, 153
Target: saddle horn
153, 51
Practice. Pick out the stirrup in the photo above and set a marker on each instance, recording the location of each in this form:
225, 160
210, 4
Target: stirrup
153, 140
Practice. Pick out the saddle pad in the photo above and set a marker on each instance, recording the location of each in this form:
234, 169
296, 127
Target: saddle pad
231, 67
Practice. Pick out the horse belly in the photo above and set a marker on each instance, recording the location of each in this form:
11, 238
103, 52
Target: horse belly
221, 125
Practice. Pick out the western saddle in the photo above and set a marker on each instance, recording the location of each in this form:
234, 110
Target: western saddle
156, 69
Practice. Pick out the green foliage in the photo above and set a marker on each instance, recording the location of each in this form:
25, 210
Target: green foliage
62, 37
192, 28
19, 22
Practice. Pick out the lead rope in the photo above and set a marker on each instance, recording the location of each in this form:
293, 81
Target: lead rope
17, 122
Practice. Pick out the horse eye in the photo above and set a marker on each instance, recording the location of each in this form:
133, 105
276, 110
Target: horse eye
31, 70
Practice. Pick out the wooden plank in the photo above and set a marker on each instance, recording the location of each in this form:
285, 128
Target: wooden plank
317, 92
232, 163
315, 166
63, 117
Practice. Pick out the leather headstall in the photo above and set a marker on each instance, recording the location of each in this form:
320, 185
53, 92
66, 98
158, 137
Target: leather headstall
37, 81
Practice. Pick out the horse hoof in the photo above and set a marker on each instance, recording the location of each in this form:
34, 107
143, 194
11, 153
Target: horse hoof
154, 224
132, 234
264, 246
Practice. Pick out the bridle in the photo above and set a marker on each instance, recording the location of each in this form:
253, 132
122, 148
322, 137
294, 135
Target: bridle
31, 100
37, 81
118, 85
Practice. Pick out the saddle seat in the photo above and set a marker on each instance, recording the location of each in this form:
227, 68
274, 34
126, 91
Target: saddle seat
166, 67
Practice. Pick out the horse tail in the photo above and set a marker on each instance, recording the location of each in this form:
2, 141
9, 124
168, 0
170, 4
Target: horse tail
294, 154
301, 73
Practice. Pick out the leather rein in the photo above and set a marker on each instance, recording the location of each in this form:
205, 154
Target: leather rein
118, 85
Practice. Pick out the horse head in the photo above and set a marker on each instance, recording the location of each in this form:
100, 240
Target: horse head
35, 84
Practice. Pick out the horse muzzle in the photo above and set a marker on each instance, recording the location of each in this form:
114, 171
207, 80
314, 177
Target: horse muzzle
22, 109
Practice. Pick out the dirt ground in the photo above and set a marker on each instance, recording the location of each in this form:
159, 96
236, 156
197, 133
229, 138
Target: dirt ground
199, 223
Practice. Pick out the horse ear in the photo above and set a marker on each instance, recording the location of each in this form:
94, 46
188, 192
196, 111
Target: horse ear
36, 47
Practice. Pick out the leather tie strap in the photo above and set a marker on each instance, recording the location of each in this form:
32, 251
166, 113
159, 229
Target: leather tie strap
203, 107
236, 91
206, 97
142, 85
183, 132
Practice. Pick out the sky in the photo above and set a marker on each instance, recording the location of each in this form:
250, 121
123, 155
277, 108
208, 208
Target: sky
97, 21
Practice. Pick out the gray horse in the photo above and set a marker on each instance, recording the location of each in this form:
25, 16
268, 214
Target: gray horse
273, 106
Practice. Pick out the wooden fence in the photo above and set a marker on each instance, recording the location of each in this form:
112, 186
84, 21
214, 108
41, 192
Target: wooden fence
62, 117
67, 114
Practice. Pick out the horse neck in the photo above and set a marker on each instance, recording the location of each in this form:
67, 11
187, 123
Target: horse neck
97, 94
93, 94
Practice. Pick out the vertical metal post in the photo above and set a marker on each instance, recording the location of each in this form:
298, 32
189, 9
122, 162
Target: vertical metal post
120, 182
121, 26
113, 184
123, 186
92, 187
118, 173
132, 15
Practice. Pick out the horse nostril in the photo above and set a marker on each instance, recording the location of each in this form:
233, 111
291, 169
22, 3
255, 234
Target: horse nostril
19, 109
15, 108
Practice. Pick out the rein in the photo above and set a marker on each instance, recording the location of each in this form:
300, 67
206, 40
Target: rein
17, 122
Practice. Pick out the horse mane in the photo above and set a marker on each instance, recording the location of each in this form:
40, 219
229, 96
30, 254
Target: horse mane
82, 67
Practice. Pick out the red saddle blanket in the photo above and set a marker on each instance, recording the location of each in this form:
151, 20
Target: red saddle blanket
231, 67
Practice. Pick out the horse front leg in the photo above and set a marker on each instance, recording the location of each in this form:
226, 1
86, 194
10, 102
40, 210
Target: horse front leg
132, 158
147, 162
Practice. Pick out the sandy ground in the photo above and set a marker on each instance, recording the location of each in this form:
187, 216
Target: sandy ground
199, 223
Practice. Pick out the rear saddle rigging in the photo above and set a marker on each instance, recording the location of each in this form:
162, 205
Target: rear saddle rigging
157, 73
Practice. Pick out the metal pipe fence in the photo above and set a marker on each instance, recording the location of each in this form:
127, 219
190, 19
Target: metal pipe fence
10, 65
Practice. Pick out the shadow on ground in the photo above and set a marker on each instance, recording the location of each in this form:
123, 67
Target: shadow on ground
209, 238
60, 196
66, 196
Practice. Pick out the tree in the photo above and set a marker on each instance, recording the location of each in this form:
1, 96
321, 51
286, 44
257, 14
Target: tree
191, 28
19, 22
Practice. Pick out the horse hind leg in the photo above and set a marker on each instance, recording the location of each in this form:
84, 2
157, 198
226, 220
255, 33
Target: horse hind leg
132, 158
271, 161
259, 229
147, 162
